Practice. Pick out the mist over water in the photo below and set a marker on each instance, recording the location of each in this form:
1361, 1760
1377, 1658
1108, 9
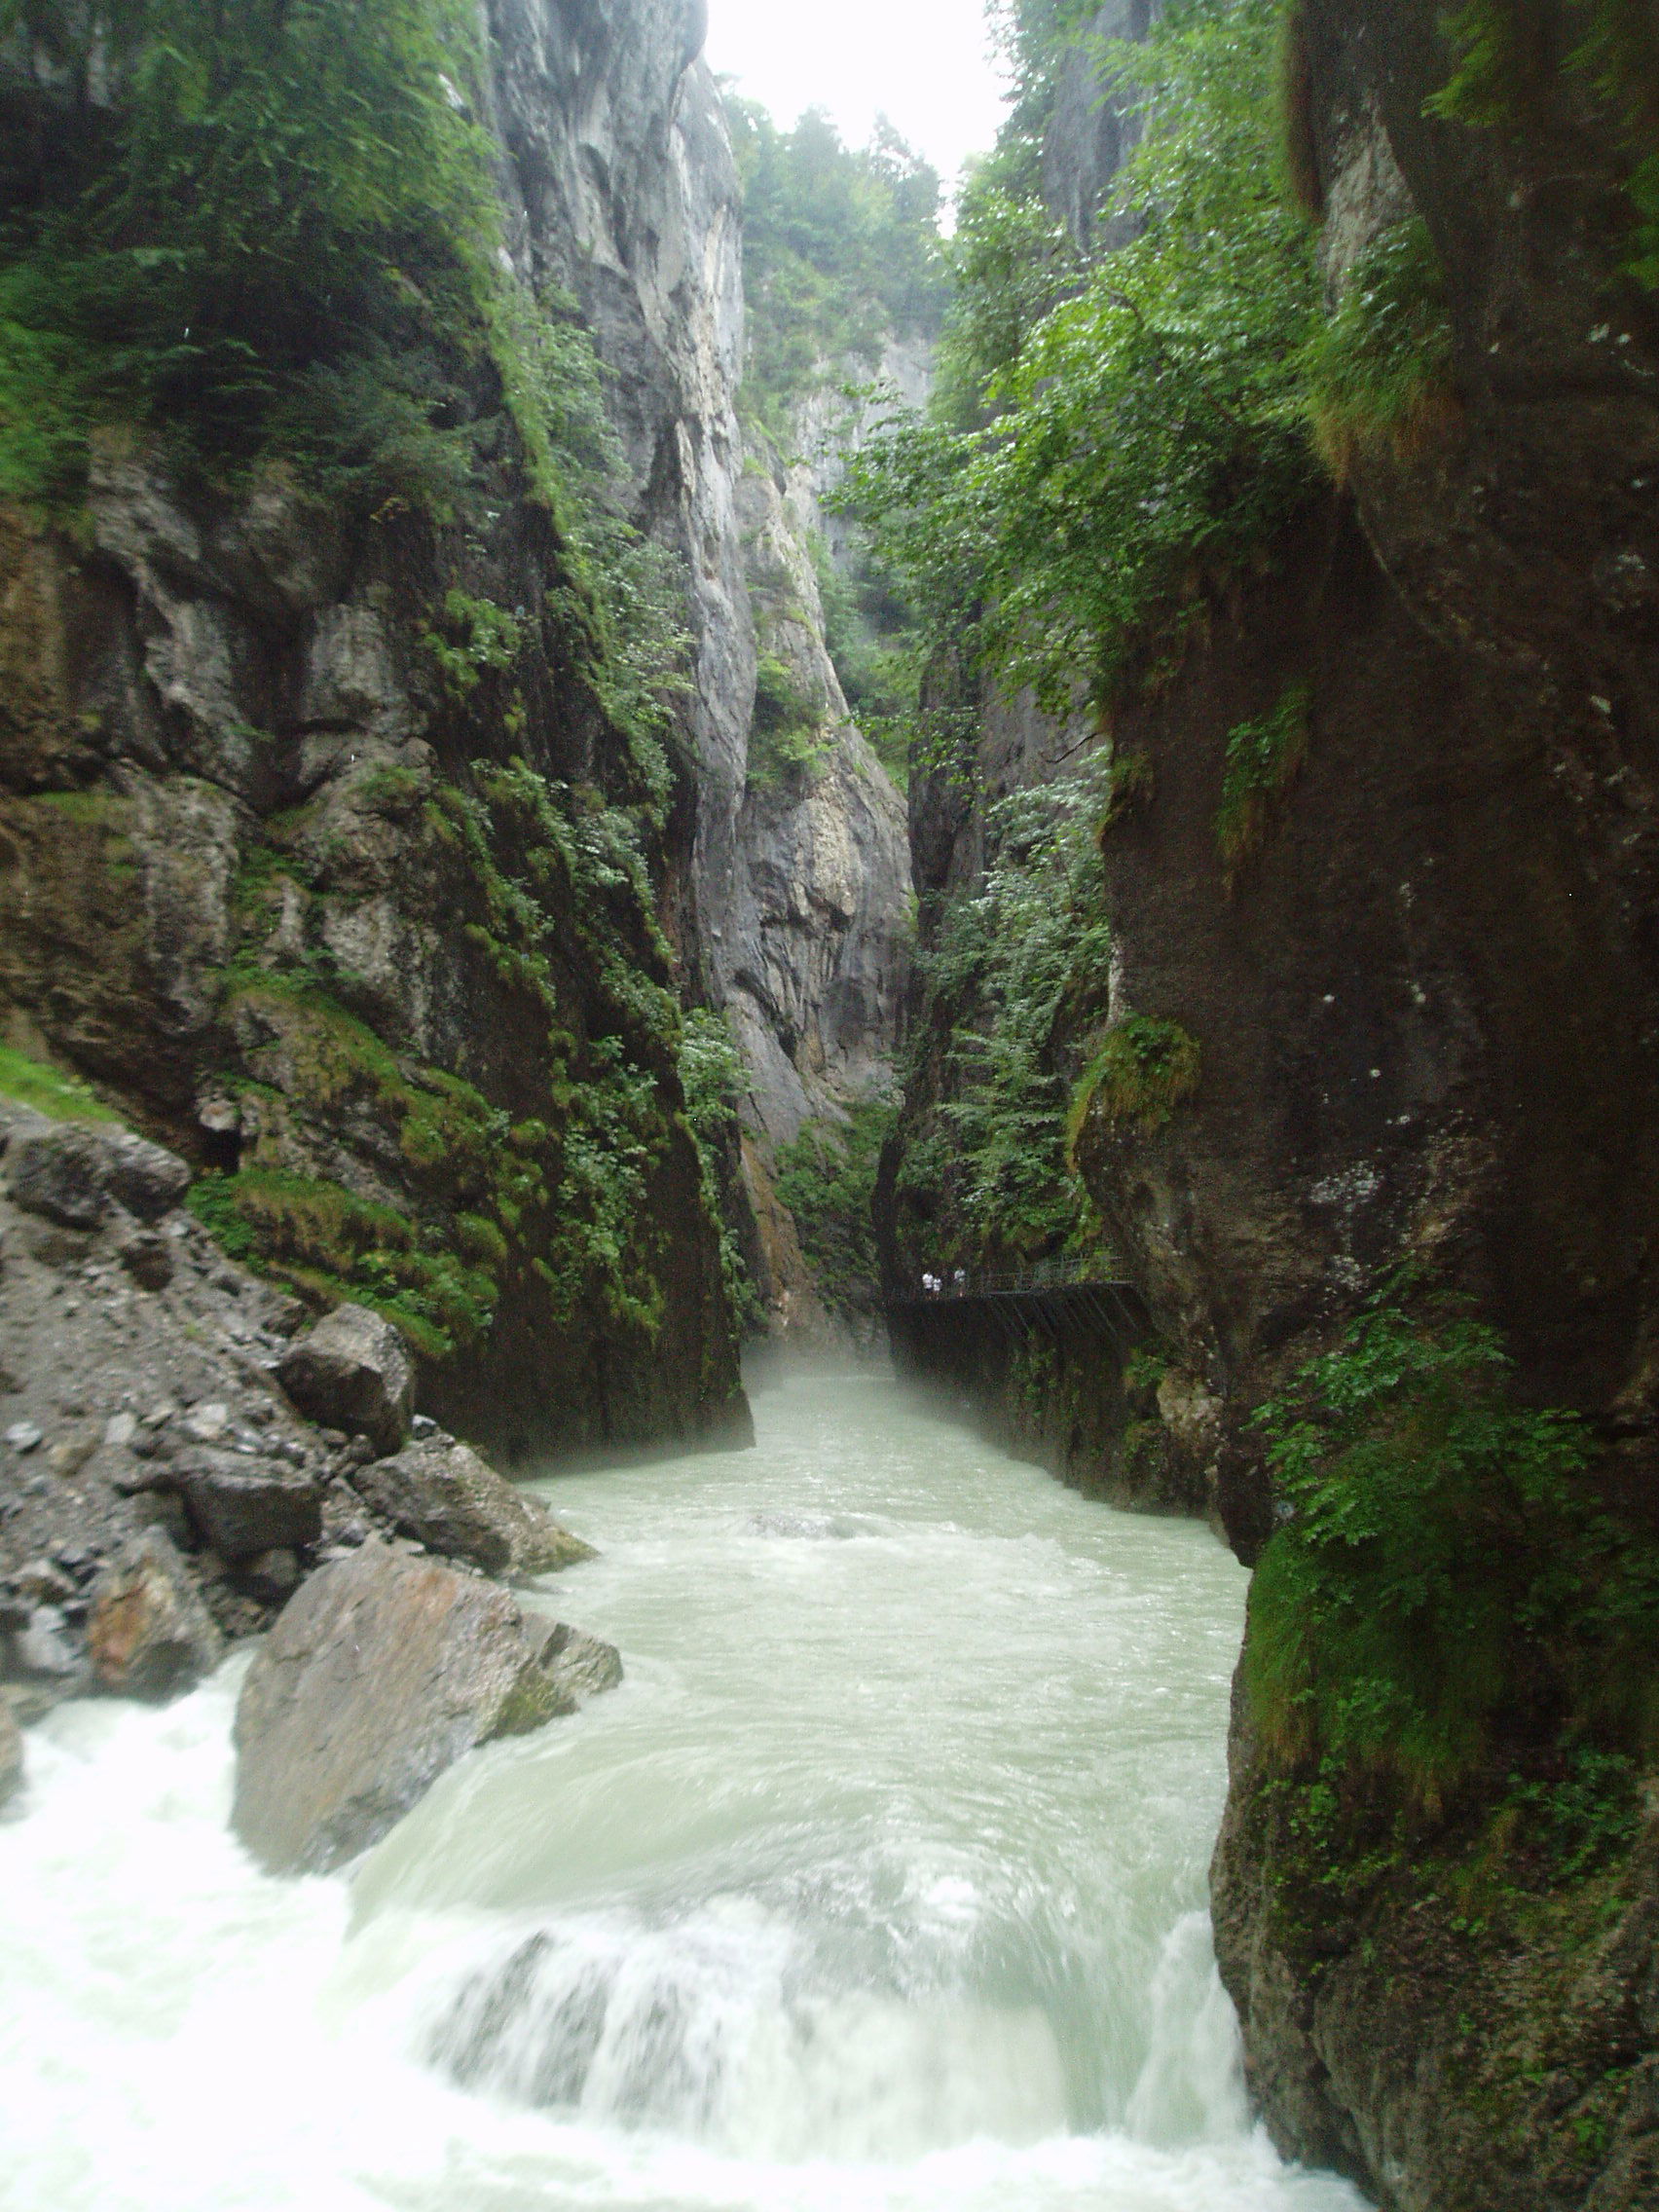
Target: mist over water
880, 1883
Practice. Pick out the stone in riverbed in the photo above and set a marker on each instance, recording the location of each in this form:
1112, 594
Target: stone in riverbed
11, 1755
243, 1506
47, 1649
380, 1674
579, 1665
448, 1499
150, 1635
353, 1372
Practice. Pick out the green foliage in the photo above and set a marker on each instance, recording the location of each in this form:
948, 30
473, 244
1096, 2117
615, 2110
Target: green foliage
711, 1075
569, 919
338, 1248
641, 650
787, 738
476, 636
840, 252
47, 1090
1378, 373
1141, 1073
1019, 963
1143, 1371
716, 1083
1510, 54
1584, 1816
560, 906
1012, 263
279, 219
827, 1179
1145, 434
1447, 1567
1262, 758
870, 635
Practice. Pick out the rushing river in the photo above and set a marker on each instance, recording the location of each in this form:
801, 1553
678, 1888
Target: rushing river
879, 1884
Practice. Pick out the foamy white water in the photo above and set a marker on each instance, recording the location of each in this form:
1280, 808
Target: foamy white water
879, 1884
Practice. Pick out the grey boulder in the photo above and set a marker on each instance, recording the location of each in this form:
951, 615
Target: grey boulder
241, 1507
380, 1673
448, 1499
11, 1755
76, 1176
47, 1649
149, 1634
578, 1666
353, 1372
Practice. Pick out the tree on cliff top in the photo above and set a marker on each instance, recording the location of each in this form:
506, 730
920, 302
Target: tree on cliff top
841, 252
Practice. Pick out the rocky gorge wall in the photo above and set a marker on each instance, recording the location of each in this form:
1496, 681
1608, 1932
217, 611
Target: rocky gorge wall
276, 879
1422, 1012
1050, 1387
795, 904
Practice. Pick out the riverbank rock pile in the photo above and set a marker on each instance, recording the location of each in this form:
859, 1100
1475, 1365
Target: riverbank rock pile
180, 1456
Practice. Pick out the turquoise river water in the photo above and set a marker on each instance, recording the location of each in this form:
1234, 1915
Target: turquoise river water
881, 1883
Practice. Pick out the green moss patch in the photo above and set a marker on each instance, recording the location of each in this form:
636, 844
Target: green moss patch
36, 1084
1143, 1071
336, 1248
1263, 757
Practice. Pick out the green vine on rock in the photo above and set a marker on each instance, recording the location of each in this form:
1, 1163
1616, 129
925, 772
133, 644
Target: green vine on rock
1378, 373
1263, 757
827, 1179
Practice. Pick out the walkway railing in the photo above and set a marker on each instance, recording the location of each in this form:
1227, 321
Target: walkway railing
1094, 1270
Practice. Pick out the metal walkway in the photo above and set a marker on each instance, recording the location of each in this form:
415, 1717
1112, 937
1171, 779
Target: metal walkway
1045, 1294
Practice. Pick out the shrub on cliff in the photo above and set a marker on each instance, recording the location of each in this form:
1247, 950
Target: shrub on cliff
1446, 1571
232, 218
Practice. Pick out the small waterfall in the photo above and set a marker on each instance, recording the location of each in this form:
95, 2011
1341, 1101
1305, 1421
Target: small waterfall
723, 2028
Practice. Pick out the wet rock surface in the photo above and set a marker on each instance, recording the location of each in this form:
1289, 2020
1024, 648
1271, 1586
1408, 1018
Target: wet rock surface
149, 1634
161, 1495
442, 1494
11, 1756
578, 1666
379, 1674
352, 1371
245, 1508
78, 1177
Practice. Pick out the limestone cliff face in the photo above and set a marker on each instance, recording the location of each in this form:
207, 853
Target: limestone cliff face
793, 913
268, 874
617, 160
817, 974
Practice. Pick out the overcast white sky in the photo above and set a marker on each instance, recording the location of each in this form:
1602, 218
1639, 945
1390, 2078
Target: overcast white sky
921, 63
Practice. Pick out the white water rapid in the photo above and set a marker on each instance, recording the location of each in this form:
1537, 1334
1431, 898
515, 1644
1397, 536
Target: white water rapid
879, 1884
